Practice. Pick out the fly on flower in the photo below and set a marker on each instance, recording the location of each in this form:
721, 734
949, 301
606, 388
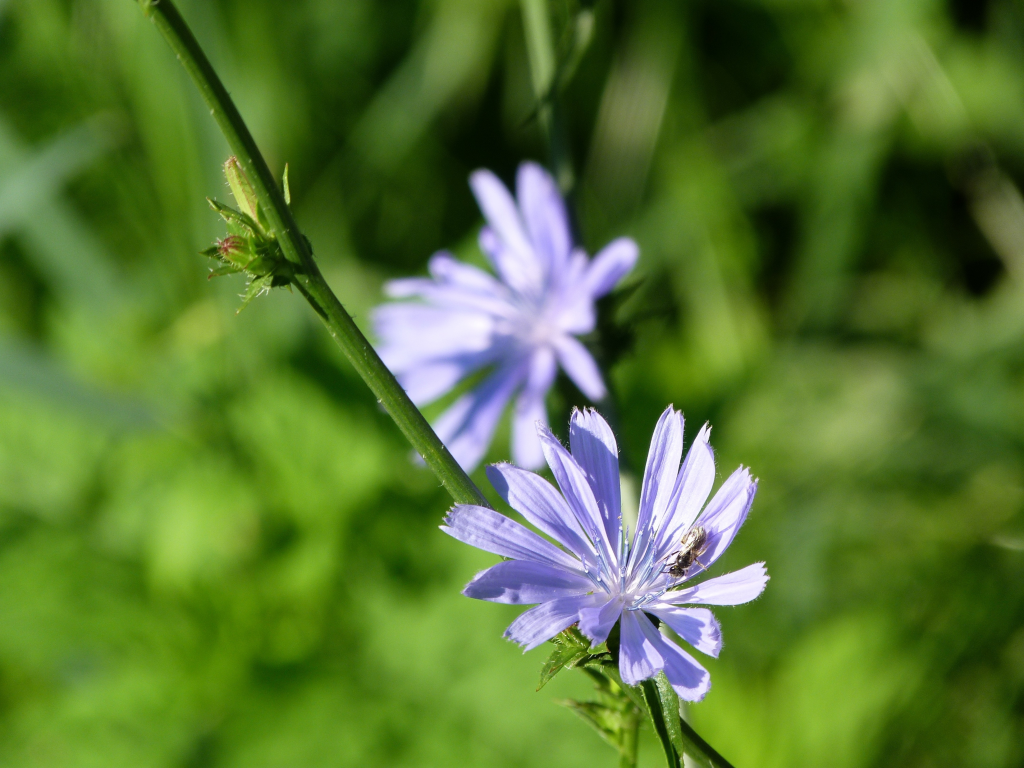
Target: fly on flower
521, 324
690, 549
595, 574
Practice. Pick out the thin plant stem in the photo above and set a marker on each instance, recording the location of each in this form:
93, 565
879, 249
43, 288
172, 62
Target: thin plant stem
543, 67
630, 741
309, 281
540, 50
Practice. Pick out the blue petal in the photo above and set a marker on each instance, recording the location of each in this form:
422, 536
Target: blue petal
689, 679
453, 298
575, 305
504, 240
540, 624
447, 269
530, 410
412, 334
541, 504
580, 496
467, 427
723, 517
697, 626
426, 382
456, 287
639, 655
644, 652
593, 447
659, 479
522, 276
492, 532
521, 582
501, 212
597, 622
544, 213
693, 485
581, 368
734, 588
611, 264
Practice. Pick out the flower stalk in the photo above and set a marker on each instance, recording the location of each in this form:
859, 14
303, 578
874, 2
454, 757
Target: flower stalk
676, 734
544, 75
630, 741
307, 277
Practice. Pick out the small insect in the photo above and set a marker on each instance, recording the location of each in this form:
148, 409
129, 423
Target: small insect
690, 549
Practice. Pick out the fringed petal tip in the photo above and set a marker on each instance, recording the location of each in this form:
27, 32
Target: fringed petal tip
693, 695
525, 645
449, 517
544, 433
764, 577
507, 635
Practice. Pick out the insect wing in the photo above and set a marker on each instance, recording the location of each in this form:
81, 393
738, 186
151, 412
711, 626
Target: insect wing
693, 540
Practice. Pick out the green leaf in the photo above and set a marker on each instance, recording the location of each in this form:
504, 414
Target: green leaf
242, 189
606, 720
284, 186
677, 732
231, 216
60, 245
255, 288
227, 269
670, 708
658, 715
571, 648
604, 666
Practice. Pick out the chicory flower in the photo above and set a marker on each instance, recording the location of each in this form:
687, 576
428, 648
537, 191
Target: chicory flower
594, 575
521, 325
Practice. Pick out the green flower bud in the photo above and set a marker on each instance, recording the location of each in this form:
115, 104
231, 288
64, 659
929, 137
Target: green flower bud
241, 188
250, 246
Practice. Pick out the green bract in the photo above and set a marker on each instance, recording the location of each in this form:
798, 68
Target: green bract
250, 247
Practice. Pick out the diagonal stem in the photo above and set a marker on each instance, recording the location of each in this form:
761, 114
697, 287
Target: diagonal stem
309, 281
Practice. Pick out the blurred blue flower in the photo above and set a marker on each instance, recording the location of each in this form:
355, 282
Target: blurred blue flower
598, 576
522, 324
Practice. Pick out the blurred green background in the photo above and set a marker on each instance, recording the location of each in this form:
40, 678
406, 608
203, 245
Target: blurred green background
213, 550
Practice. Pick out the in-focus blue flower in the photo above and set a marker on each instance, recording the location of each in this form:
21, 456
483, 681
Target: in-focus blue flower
598, 576
522, 324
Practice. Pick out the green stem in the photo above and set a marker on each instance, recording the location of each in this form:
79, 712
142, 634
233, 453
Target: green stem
630, 740
540, 49
310, 282
543, 69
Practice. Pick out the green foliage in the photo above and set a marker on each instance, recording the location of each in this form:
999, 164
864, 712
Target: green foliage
571, 650
616, 713
213, 551
251, 246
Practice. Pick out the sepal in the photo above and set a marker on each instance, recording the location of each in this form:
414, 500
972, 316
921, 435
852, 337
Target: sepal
242, 189
618, 707
606, 720
250, 247
571, 649
236, 218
